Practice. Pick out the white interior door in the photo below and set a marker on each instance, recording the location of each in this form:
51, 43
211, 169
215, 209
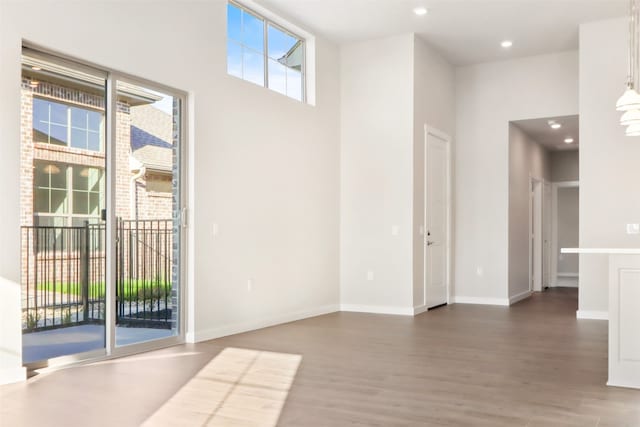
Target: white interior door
436, 233
546, 225
535, 227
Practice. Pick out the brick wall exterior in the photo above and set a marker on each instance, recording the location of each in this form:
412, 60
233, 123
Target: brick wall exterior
153, 199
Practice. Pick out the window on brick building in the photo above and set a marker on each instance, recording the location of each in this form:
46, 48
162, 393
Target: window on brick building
265, 53
66, 195
67, 125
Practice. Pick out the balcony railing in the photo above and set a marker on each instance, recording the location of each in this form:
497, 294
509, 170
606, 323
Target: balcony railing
64, 280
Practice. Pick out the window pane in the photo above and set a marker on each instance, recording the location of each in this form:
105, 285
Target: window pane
58, 201
80, 203
277, 77
95, 120
252, 32
234, 22
234, 59
294, 84
93, 141
58, 175
95, 180
40, 115
94, 204
78, 138
41, 200
58, 113
78, 118
253, 67
80, 178
58, 134
40, 178
280, 44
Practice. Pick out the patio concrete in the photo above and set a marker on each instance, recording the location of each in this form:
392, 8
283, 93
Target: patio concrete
37, 346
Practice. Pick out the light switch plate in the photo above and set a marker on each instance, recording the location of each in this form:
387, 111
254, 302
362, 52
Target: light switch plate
633, 228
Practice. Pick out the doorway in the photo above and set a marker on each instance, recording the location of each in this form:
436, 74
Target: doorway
102, 197
565, 222
542, 152
437, 221
539, 220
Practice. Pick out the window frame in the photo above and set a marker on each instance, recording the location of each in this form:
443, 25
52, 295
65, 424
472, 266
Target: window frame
267, 21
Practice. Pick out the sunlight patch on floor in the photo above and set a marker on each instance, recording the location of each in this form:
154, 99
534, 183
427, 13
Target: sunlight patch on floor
239, 387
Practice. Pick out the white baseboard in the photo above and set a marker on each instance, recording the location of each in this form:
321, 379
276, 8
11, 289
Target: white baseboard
567, 275
13, 375
480, 300
238, 328
516, 298
593, 315
622, 384
378, 309
420, 309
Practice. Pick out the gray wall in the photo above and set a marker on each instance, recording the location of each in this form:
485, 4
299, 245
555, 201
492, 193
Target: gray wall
564, 165
568, 221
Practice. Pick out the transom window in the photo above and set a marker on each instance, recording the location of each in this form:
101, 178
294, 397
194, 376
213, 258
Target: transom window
62, 124
262, 52
66, 195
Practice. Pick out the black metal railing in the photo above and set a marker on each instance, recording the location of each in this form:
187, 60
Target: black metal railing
143, 273
64, 275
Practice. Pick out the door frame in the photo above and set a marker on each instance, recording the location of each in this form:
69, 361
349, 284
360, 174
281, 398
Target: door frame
554, 225
431, 130
111, 233
535, 234
110, 350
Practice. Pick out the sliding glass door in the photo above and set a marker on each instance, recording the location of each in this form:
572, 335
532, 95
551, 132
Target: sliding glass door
101, 209
147, 208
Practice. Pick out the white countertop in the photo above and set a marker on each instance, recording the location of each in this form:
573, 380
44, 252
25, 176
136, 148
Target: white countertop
620, 251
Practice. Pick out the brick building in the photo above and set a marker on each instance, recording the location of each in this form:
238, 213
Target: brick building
63, 153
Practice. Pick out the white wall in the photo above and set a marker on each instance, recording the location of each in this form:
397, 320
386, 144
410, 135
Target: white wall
434, 98
609, 170
488, 97
10, 327
565, 166
527, 159
274, 194
376, 174
568, 229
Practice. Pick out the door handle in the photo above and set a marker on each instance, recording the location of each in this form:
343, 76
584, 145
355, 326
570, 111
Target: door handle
429, 243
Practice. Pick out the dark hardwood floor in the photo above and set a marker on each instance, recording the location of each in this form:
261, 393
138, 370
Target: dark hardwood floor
532, 364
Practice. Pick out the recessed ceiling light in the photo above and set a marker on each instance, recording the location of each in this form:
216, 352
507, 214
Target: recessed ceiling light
568, 141
36, 68
420, 11
506, 44
556, 126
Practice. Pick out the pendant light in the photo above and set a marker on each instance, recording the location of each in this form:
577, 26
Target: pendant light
629, 102
633, 130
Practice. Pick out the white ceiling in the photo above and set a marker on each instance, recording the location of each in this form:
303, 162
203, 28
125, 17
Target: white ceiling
465, 31
552, 139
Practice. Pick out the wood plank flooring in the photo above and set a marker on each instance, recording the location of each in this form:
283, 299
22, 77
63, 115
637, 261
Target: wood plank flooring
533, 364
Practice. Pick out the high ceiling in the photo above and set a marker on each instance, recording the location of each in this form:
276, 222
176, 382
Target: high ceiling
465, 31
553, 139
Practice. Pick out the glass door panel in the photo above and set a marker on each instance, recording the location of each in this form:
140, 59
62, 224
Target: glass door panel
63, 167
147, 208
